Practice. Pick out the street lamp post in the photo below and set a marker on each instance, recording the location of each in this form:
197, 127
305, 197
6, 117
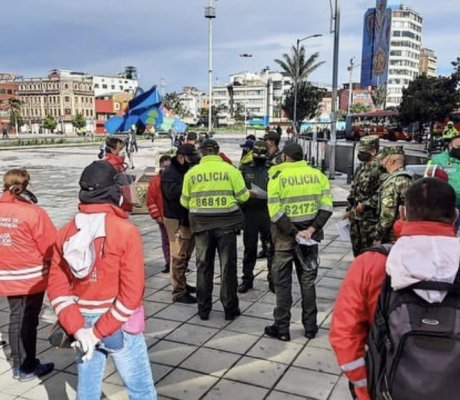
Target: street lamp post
245, 55
296, 77
350, 87
335, 73
210, 14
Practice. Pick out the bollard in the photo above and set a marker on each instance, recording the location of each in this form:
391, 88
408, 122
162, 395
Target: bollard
349, 174
313, 162
323, 166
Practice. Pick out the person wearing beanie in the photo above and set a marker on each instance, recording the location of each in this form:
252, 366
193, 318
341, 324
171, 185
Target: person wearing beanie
299, 204
26, 240
96, 285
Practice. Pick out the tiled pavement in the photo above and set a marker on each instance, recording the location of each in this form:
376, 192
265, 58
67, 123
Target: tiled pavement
190, 358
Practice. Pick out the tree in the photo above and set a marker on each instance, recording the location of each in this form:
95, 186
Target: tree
359, 108
239, 112
379, 96
174, 104
79, 123
49, 123
308, 101
428, 99
217, 111
289, 62
15, 108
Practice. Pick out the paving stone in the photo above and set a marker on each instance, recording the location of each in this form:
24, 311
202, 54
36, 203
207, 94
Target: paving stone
321, 360
177, 312
58, 386
159, 328
341, 390
257, 372
321, 340
210, 361
260, 310
275, 395
254, 326
312, 384
170, 353
232, 341
185, 385
228, 390
152, 307
275, 350
216, 320
12, 387
196, 335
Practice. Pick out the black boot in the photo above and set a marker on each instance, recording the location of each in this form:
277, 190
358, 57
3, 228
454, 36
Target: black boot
245, 286
165, 270
273, 332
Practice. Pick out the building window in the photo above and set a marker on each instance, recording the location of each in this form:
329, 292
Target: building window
104, 86
67, 99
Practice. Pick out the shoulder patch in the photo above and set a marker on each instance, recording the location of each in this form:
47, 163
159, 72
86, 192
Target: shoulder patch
275, 175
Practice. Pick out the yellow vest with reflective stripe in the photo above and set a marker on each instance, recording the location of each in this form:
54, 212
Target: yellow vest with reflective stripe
213, 187
298, 191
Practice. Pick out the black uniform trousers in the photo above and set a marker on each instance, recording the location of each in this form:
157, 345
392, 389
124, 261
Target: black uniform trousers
282, 278
256, 219
206, 243
22, 330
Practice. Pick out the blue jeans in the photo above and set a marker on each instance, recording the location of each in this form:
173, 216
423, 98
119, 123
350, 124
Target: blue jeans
131, 362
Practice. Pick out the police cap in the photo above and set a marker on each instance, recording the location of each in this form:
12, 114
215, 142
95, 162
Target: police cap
209, 144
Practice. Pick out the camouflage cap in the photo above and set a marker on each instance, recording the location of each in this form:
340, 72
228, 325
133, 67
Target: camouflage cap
368, 143
390, 151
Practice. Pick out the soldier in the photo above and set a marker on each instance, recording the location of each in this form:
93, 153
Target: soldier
392, 193
363, 197
256, 216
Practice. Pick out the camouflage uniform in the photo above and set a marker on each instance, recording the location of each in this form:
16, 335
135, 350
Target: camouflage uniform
364, 190
391, 196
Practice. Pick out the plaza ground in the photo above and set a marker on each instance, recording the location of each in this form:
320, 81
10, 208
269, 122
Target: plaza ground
191, 359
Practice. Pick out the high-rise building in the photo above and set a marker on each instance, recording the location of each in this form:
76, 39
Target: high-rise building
428, 63
392, 44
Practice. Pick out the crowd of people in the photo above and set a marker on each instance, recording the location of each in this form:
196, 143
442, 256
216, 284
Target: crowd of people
395, 312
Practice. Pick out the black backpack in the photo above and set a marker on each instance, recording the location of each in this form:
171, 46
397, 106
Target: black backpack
414, 346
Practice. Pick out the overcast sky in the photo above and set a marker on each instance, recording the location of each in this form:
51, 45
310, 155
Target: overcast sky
168, 39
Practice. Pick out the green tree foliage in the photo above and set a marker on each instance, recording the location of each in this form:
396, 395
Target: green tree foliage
239, 112
428, 99
217, 111
15, 109
173, 103
379, 96
359, 108
50, 123
308, 101
307, 65
79, 122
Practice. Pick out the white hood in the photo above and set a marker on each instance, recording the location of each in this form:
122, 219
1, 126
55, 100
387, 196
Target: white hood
79, 248
424, 258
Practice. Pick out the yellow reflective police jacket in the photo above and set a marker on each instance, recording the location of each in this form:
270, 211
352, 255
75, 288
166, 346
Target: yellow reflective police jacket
298, 191
213, 187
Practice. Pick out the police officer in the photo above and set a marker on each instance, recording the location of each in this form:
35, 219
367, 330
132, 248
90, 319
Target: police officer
273, 142
299, 204
392, 192
449, 133
363, 198
212, 192
256, 215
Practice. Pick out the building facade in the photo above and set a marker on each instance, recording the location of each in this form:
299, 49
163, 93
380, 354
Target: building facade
109, 105
193, 101
60, 95
392, 43
9, 90
428, 63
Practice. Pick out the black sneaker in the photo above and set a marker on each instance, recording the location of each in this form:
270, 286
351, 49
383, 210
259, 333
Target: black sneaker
230, 315
165, 270
273, 332
190, 289
40, 370
310, 333
186, 299
245, 286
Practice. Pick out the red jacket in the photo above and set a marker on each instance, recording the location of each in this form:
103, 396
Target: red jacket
155, 198
356, 303
115, 286
26, 238
118, 162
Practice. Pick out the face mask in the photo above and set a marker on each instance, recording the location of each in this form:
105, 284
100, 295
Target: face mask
364, 157
455, 153
259, 161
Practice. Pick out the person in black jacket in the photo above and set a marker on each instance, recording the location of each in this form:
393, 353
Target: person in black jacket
256, 215
181, 241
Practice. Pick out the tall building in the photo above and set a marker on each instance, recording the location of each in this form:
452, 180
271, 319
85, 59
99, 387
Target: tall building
428, 63
193, 101
392, 42
8, 92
